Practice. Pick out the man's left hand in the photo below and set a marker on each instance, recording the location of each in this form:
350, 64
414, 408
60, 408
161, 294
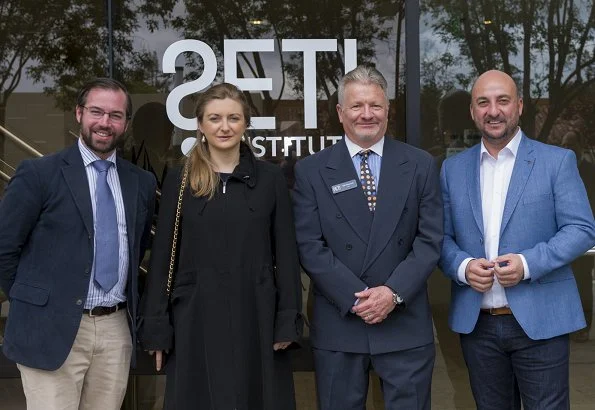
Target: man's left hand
509, 269
375, 304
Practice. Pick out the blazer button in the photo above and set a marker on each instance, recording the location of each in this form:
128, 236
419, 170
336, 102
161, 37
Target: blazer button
349, 247
339, 216
401, 242
79, 302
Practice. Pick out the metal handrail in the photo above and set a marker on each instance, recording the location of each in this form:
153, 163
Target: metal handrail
20, 143
5, 177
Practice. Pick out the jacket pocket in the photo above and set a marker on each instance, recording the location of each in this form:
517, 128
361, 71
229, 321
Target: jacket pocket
29, 294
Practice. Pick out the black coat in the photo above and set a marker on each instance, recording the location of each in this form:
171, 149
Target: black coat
236, 292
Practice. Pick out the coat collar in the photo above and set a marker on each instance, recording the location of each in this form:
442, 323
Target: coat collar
397, 174
73, 171
245, 171
523, 165
352, 203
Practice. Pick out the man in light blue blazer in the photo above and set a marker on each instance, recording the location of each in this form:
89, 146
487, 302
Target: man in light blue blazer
516, 214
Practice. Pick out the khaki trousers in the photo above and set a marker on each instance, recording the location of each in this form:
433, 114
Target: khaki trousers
95, 373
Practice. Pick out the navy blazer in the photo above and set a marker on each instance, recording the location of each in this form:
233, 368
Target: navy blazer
46, 252
546, 217
344, 248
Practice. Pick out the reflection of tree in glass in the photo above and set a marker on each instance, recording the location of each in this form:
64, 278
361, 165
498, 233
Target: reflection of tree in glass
212, 21
64, 42
546, 43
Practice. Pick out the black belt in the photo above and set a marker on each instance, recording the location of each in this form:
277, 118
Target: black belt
104, 310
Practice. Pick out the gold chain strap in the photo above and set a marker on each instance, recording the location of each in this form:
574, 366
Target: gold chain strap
174, 243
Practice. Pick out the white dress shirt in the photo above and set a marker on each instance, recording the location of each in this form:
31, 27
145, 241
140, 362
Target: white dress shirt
494, 176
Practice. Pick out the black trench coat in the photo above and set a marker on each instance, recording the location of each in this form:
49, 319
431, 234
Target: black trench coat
237, 291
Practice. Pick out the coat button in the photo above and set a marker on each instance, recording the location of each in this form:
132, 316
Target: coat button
87, 271
339, 216
349, 247
79, 302
400, 241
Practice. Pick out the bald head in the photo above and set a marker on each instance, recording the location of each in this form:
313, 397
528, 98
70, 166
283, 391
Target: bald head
496, 108
496, 76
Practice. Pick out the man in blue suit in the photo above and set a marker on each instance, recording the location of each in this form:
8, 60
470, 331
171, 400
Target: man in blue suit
516, 214
73, 229
369, 229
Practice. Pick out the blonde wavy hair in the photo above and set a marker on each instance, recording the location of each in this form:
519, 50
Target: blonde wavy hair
201, 172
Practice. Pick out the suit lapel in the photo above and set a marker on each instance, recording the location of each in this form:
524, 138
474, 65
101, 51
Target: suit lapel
474, 185
523, 165
396, 176
75, 176
129, 186
351, 202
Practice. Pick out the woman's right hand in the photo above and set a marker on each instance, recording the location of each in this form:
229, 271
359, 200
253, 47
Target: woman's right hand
158, 358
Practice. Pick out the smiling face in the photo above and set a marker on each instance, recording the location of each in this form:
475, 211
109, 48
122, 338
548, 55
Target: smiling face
102, 135
363, 113
496, 108
223, 124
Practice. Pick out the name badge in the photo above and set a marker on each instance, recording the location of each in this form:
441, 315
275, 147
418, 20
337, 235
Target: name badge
344, 186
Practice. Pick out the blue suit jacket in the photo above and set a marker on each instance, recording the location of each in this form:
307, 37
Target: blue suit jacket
46, 251
344, 248
546, 217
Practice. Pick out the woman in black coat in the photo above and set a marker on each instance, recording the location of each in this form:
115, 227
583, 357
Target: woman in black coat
235, 301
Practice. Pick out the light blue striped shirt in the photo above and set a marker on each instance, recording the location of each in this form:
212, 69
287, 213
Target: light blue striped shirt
374, 159
96, 295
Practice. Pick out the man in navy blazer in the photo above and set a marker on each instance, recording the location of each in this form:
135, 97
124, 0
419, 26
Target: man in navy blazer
71, 336
516, 214
369, 229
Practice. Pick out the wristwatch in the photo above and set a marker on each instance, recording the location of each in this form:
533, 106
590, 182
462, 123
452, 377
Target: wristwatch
397, 300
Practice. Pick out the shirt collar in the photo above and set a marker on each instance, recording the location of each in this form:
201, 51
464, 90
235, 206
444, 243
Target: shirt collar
89, 156
355, 149
512, 146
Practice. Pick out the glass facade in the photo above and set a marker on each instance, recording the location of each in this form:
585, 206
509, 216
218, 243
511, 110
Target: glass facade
289, 57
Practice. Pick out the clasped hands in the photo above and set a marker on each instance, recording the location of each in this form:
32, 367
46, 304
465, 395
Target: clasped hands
507, 269
374, 304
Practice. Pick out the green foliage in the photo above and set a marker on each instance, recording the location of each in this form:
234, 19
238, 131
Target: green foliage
545, 44
63, 43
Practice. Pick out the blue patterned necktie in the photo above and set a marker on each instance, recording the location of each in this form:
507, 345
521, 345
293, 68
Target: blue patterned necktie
106, 230
367, 180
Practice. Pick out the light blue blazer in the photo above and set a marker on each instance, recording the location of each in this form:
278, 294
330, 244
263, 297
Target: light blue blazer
547, 218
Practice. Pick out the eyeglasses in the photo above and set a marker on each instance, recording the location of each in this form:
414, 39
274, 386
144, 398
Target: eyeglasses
98, 113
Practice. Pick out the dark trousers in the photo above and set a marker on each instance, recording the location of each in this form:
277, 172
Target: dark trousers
505, 364
405, 377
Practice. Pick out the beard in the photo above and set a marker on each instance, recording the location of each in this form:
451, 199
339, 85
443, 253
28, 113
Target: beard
506, 134
98, 146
